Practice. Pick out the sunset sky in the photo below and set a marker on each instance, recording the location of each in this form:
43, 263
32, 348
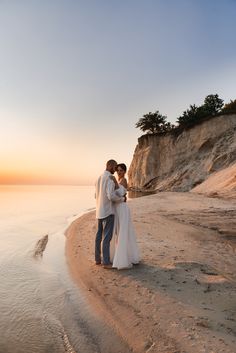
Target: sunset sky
77, 75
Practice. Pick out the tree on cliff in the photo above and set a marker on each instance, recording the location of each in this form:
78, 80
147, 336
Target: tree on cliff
153, 123
192, 116
189, 116
212, 104
230, 107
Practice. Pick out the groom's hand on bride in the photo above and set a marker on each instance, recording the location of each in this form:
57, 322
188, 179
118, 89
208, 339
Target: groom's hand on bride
125, 198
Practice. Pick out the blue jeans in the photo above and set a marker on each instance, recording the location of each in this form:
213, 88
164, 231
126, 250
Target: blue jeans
105, 226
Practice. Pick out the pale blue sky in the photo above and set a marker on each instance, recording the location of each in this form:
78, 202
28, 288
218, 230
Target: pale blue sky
75, 76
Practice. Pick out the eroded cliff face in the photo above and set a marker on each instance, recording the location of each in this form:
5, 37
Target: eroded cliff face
178, 163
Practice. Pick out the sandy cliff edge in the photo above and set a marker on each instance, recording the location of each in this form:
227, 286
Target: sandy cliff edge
181, 298
173, 162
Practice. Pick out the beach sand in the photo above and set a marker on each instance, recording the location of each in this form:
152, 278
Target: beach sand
182, 296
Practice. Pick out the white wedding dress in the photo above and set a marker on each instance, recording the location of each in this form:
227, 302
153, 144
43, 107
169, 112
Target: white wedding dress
125, 248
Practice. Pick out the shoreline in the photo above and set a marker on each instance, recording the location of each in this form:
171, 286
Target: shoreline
181, 298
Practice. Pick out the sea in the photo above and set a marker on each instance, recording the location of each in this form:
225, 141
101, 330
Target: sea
41, 309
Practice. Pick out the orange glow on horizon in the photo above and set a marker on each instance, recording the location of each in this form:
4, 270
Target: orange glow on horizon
17, 178
20, 178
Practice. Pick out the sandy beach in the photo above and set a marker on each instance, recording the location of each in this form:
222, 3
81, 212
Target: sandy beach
182, 296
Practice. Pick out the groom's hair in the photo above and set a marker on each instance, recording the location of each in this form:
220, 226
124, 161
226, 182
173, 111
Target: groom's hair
111, 163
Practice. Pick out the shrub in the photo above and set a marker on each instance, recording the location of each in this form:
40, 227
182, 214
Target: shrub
230, 107
194, 115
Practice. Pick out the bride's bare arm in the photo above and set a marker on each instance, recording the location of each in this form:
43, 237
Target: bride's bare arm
123, 182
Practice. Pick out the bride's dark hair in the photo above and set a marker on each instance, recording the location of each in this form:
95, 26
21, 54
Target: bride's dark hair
122, 166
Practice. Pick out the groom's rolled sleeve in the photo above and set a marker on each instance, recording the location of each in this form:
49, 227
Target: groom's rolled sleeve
111, 194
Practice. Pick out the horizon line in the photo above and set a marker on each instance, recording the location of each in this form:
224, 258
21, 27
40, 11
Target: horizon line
44, 184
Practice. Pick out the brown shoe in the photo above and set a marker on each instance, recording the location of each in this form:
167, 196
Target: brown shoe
108, 267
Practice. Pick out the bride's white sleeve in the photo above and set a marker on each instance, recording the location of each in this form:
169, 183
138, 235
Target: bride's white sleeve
111, 193
120, 192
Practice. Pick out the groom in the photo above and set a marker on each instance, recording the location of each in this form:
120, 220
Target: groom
105, 196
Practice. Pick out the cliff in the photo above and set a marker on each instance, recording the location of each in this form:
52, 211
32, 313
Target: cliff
179, 163
219, 184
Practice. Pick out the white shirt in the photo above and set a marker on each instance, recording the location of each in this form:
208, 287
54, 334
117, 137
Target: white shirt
105, 195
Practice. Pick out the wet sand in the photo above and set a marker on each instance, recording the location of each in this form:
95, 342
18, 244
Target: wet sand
182, 296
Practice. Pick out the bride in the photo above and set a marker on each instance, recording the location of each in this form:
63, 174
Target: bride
126, 248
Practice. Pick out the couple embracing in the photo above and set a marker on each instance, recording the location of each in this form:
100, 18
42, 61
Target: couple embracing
115, 227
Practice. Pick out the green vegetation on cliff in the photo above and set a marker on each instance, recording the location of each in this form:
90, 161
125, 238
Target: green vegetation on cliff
156, 123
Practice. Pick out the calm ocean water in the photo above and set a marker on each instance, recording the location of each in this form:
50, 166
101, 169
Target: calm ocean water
41, 308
